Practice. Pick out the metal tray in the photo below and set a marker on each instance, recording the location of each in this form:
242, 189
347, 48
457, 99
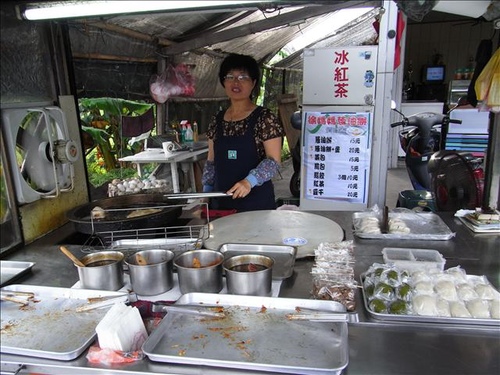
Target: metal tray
251, 338
49, 326
426, 319
10, 270
423, 226
492, 229
284, 256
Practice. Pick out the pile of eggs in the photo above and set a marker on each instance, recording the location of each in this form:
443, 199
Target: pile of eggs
136, 185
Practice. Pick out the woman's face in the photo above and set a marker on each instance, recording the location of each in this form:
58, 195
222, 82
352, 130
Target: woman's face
238, 84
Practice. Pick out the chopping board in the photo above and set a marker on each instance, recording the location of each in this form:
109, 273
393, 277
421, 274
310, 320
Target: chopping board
274, 227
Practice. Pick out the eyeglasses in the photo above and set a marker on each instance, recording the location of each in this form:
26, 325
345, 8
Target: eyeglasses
240, 78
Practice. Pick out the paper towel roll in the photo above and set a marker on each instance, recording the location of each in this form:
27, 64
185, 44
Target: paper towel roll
472, 9
168, 148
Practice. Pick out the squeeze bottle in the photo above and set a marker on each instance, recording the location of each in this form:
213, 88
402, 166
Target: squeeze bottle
188, 135
195, 131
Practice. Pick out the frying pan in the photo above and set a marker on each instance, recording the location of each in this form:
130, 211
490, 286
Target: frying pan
118, 208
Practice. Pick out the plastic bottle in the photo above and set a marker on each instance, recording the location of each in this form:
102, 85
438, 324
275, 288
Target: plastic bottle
183, 133
188, 136
195, 131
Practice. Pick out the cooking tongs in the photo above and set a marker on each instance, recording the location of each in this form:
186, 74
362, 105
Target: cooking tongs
313, 315
202, 310
156, 307
196, 195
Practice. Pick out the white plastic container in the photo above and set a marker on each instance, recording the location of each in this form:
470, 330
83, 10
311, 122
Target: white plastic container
413, 259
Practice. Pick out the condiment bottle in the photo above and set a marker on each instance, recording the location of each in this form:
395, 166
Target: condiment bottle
195, 131
188, 134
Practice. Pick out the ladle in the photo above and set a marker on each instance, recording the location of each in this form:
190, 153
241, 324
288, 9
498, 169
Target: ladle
71, 256
141, 261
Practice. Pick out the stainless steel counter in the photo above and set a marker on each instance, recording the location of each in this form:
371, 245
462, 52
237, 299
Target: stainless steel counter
374, 347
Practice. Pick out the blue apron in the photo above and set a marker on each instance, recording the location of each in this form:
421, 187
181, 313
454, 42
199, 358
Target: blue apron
234, 157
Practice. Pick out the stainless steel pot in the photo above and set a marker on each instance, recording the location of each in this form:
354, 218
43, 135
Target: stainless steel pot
103, 270
200, 271
151, 271
249, 274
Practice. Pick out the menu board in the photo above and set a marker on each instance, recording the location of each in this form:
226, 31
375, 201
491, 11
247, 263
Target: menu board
336, 156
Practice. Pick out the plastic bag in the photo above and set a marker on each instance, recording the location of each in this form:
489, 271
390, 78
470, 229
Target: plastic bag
333, 273
488, 83
110, 357
174, 81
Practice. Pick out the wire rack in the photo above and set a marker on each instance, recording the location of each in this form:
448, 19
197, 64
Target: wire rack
178, 238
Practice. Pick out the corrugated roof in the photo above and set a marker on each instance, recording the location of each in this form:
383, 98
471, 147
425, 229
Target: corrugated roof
125, 50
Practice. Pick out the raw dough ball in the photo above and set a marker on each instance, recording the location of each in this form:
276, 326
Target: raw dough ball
370, 230
443, 308
446, 290
424, 287
399, 307
425, 304
378, 306
384, 291
495, 309
466, 292
458, 310
370, 225
403, 292
418, 276
398, 226
486, 291
458, 275
392, 277
479, 309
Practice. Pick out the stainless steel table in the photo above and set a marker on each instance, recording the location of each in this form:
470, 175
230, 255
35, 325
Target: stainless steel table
375, 347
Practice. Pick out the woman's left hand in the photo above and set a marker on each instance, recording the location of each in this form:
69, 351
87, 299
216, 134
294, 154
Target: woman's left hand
240, 189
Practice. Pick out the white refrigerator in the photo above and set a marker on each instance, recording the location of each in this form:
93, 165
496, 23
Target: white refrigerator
337, 123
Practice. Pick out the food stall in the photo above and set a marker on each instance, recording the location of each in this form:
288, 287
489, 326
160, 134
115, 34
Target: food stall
373, 343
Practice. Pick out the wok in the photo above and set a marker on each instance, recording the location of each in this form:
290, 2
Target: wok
124, 205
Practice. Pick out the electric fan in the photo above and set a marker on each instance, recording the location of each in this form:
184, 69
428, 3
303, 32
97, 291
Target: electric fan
454, 181
40, 151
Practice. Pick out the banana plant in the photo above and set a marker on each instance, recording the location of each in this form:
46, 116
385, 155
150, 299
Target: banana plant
101, 121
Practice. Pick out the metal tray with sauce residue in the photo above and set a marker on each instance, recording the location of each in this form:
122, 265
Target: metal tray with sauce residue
254, 335
283, 256
11, 270
49, 325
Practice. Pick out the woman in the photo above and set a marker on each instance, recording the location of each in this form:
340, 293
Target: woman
244, 143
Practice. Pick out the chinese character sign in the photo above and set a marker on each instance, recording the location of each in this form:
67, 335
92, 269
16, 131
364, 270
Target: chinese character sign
337, 156
340, 75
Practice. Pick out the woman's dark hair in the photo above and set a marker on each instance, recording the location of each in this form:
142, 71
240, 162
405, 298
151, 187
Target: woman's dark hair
241, 62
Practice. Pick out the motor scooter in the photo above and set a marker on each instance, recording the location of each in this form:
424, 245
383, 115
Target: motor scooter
422, 135
423, 139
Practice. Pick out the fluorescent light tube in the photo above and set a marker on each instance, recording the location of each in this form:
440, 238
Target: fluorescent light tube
57, 10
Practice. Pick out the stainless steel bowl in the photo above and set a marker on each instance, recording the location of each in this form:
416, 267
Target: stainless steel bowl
103, 270
200, 271
154, 277
249, 274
